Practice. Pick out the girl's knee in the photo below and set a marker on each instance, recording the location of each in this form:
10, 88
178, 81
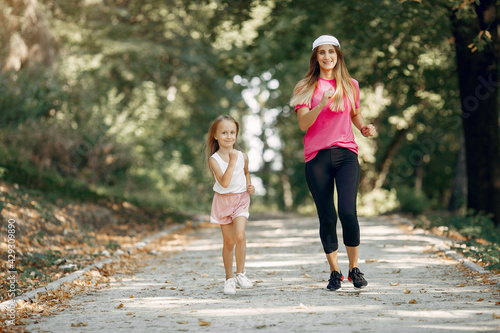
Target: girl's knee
228, 244
240, 238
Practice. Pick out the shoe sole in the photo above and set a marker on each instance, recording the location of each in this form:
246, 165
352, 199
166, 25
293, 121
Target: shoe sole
360, 288
340, 289
225, 293
356, 288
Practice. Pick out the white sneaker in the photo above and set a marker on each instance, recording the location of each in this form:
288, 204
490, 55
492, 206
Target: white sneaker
242, 281
230, 287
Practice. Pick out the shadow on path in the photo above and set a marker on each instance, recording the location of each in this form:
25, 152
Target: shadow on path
411, 288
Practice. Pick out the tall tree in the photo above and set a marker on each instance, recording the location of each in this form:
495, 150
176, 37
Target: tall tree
477, 46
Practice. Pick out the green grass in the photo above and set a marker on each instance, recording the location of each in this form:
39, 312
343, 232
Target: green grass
474, 235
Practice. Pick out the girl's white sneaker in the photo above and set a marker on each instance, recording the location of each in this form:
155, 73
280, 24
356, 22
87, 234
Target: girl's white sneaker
230, 287
243, 281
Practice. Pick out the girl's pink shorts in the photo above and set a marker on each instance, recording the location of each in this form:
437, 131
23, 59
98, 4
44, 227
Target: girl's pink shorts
226, 207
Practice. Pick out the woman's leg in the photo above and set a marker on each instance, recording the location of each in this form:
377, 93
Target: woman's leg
347, 182
227, 248
333, 261
319, 177
240, 242
352, 254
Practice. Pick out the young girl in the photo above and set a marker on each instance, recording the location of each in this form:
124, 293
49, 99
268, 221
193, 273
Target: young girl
232, 186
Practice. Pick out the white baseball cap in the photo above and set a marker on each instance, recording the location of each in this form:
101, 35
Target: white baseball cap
325, 39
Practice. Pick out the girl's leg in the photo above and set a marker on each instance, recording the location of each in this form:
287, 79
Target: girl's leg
227, 248
240, 242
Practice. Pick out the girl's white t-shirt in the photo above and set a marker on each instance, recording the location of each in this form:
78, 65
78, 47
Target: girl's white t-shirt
238, 183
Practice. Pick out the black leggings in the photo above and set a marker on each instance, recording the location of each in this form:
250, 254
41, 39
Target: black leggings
330, 166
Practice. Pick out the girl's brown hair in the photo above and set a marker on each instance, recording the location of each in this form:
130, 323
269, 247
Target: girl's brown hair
212, 145
304, 90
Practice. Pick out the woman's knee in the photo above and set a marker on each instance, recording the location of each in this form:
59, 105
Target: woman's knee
348, 216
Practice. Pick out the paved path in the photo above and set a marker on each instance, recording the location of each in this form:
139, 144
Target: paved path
411, 288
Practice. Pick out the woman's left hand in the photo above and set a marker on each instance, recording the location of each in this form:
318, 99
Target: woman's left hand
368, 130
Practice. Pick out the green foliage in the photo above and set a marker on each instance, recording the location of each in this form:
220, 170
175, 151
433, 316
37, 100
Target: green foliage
26, 95
125, 109
40, 260
412, 201
112, 245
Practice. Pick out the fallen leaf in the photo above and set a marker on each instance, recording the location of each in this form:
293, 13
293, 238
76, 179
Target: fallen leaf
369, 261
131, 296
396, 271
496, 315
182, 322
394, 284
412, 302
302, 306
480, 300
406, 291
79, 324
462, 285
260, 327
203, 323
129, 313
119, 306
380, 314
307, 275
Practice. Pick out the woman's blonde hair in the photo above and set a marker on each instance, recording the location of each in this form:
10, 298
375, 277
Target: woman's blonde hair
304, 90
212, 145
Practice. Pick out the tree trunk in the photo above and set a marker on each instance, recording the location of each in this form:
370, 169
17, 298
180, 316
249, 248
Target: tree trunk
459, 187
386, 161
478, 81
287, 192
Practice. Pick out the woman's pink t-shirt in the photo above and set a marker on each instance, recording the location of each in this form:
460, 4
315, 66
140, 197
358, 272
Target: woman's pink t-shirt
330, 128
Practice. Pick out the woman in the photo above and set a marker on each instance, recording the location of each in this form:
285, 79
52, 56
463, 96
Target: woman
327, 102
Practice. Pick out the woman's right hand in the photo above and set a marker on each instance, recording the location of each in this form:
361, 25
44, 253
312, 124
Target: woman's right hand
326, 96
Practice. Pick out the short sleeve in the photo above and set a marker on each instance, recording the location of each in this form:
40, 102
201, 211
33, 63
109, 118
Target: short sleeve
300, 106
356, 84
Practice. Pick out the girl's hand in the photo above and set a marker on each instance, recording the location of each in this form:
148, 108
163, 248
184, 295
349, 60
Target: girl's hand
233, 155
250, 189
368, 130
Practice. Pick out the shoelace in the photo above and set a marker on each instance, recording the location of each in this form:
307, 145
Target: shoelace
356, 274
336, 276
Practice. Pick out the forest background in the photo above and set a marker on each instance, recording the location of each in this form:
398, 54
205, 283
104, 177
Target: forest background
113, 99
